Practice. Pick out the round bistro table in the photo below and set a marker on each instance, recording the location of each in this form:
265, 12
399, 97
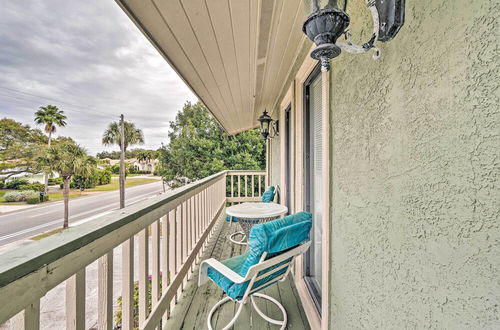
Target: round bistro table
250, 214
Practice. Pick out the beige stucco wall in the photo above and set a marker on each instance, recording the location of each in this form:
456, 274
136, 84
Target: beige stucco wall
415, 156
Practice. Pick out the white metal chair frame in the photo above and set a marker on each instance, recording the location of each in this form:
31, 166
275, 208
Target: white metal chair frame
252, 276
242, 240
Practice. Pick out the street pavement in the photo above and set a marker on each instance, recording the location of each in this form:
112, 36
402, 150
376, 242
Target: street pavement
32, 221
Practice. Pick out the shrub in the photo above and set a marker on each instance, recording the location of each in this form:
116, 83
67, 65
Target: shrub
104, 176
15, 183
36, 186
33, 200
142, 172
82, 182
2, 183
21, 196
115, 169
55, 181
99, 177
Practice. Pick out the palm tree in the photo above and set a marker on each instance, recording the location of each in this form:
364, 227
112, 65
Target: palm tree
67, 159
112, 135
51, 117
132, 135
144, 156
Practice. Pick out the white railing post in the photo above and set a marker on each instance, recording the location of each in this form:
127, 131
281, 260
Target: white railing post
155, 259
29, 318
105, 292
165, 260
260, 186
143, 274
75, 301
128, 284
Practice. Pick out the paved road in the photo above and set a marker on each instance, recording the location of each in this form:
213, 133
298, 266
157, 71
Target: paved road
23, 224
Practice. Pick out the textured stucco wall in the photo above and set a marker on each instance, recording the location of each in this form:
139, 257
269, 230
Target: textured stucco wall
415, 173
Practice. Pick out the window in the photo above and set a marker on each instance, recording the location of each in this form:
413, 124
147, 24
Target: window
313, 180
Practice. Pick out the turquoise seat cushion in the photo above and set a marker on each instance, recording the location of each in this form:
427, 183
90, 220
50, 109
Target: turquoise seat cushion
233, 290
231, 219
273, 237
268, 195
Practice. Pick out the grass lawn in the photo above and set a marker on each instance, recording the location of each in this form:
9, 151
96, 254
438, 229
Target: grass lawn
114, 185
128, 175
2, 193
47, 234
58, 196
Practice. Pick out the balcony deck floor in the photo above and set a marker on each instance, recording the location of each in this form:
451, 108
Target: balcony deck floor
192, 309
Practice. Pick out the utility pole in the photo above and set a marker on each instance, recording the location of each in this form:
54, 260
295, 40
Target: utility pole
122, 162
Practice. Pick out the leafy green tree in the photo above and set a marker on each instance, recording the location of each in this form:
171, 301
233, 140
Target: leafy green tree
50, 116
18, 146
199, 147
67, 159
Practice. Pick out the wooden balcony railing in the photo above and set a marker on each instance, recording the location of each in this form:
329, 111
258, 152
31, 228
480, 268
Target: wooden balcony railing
245, 186
172, 230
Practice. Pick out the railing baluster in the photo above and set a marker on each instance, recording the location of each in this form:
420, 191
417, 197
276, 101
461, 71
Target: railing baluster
178, 247
165, 260
239, 190
75, 301
246, 185
155, 259
128, 284
173, 249
253, 186
29, 318
143, 274
185, 243
191, 230
105, 289
260, 185
232, 186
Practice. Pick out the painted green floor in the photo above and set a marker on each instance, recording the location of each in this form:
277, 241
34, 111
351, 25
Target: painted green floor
193, 307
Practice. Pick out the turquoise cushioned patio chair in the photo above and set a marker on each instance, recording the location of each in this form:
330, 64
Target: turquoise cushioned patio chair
267, 197
272, 248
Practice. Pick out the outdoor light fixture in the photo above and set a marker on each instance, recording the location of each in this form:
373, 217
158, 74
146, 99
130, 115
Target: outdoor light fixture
268, 126
325, 26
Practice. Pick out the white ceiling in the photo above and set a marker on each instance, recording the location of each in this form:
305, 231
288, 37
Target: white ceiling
234, 54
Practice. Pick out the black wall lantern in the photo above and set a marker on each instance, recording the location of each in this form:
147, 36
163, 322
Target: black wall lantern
325, 26
268, 126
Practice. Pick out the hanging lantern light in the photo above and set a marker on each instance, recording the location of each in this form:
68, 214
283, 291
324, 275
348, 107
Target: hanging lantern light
265, 121
325, 26
268, 126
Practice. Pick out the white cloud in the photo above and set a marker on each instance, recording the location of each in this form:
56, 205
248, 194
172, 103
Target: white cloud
89, 59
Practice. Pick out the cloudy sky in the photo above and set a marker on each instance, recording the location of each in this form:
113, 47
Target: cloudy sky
90, 60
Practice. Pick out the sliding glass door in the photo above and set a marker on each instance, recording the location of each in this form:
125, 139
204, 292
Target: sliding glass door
313, 145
